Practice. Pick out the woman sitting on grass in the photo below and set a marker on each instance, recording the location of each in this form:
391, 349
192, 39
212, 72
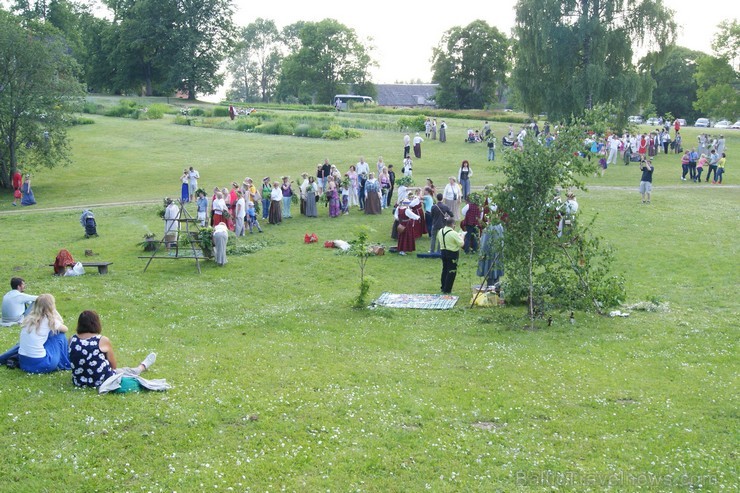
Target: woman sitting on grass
91, 354
43, 345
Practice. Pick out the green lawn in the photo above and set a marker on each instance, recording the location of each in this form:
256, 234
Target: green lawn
280, 386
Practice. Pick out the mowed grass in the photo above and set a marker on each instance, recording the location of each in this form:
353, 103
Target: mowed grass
280, 386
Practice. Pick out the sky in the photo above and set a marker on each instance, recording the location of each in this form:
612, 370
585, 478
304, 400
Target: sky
404, 33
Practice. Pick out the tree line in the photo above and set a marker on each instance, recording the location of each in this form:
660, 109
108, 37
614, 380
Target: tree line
564, 57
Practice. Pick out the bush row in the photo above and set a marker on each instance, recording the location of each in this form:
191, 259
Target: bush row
272, 124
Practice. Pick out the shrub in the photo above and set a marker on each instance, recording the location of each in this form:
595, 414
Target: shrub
122, 110
335, 132
182, 120
197, 112
81, 121
352, 133
157, 111
246, 124
221, 111
91, 108
412, 123
315, 133
302, 129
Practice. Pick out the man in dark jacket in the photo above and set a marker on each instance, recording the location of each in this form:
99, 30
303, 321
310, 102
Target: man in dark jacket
440, 212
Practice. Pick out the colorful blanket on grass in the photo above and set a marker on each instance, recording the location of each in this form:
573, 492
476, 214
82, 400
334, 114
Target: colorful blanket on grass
419, 301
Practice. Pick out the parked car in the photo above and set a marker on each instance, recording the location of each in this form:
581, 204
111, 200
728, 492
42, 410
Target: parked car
635, 119
682, 122
653, 121
736, 125
722, 124
702, 122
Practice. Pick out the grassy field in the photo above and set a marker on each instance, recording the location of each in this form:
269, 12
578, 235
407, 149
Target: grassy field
280, 386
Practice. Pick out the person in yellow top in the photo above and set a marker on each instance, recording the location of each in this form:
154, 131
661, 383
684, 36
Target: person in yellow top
450, 242
720, 169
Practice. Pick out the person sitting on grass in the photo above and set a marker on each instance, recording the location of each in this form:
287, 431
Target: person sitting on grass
43, 344
16, 303
92, 357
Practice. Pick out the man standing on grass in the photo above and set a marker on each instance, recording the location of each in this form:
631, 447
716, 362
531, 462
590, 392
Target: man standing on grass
451, 241
193, 176
646, 181
613, 150
440, 213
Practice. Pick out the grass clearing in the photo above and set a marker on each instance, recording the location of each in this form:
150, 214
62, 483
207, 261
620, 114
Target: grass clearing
280, 386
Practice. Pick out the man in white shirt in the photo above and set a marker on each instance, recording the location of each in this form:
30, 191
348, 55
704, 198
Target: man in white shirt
613, 149
406, 146
193, 176
16, 303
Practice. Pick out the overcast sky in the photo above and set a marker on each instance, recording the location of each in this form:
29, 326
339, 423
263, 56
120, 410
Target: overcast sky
404, 33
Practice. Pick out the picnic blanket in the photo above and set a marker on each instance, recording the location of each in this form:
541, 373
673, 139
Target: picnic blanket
419, 301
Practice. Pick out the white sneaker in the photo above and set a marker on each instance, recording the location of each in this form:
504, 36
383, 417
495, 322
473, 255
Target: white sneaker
149, 360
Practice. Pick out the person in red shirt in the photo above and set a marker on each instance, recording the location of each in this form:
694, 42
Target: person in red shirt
471, 223
17, 182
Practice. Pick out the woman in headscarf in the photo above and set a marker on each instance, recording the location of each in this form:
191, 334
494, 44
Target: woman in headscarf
372, 195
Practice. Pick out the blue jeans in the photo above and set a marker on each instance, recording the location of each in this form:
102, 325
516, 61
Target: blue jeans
265, 208
465, 188
286, 207
718, 176
470, 244
9, 354
491, 154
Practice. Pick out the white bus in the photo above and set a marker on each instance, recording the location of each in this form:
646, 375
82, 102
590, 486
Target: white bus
341, 101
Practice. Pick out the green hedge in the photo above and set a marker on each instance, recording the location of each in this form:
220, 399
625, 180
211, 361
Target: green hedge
220, 111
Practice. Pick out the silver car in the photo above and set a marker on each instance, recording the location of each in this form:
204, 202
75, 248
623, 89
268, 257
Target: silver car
702, 122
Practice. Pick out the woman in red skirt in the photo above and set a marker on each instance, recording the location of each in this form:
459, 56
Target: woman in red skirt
406, 218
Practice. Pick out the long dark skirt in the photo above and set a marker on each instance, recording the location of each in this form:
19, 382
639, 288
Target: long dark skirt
372, 203
417, 151
276, 212
311, 205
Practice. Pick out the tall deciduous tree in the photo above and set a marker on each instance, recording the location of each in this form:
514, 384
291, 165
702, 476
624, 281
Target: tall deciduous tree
573, 54
203, 35
470, 64
141, 47
718, 95
255, 61
327, 59
38, 81
726, 43
675, 90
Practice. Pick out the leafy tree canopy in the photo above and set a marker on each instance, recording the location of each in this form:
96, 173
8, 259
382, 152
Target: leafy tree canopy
675, 89
326, 59
38, 85
718, 95
573, 54
255, 62
470, 64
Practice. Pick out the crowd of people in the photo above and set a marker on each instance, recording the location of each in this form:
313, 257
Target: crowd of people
43, 346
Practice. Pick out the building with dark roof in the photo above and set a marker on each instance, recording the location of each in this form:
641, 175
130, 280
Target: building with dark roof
406, 95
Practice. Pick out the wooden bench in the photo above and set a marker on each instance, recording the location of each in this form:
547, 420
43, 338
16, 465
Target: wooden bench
102, 266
